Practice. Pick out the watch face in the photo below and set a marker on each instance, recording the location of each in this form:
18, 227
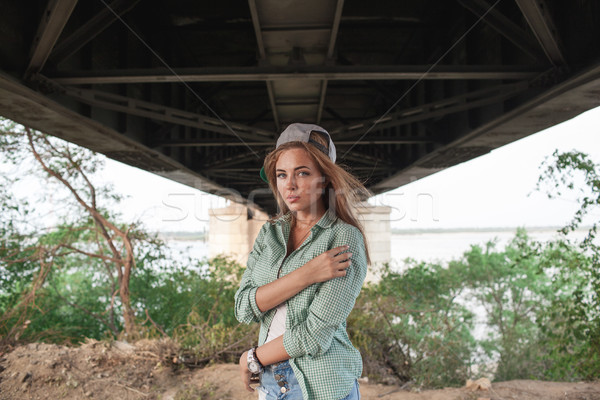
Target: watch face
253, 367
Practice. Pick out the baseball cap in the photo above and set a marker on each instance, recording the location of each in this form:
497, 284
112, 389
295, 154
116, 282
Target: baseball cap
299, 132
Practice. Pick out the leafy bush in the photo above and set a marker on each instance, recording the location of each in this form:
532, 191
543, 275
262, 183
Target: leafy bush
513, 289
569, 330
211, 332
416, 326
410, 327
572, 324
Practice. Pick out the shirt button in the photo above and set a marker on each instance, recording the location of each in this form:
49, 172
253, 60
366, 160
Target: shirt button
283, 390
277, 376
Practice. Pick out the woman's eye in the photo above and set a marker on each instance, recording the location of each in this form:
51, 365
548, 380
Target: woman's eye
304, 173
281, 176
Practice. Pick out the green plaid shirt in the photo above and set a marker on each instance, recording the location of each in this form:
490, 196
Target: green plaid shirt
324, 360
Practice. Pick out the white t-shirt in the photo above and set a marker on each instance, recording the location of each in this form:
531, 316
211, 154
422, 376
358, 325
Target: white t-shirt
277, 327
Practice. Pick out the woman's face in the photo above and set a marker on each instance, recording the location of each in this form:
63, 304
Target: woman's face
299, 181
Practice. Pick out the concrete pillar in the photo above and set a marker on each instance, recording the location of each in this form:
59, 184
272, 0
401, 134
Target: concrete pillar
232, 231
378, 232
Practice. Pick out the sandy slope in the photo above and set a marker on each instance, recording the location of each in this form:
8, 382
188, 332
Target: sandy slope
99, 370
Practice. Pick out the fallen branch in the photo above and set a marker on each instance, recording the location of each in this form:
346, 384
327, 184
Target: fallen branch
133, 390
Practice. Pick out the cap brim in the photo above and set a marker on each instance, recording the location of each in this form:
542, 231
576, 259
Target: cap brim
263, 175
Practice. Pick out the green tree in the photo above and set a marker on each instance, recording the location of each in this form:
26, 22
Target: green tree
411, 326
565, 325
210, 331
85, 242
67, 282
575, 315
513, 290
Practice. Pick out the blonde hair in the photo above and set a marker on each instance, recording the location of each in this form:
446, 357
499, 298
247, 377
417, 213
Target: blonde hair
343, 192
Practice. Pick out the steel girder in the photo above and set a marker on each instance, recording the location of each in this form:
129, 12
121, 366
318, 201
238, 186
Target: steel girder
405, 88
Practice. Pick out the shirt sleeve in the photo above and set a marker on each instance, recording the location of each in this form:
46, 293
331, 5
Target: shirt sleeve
332, 303
246, 309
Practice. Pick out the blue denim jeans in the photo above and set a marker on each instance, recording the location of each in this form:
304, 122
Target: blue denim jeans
278, 382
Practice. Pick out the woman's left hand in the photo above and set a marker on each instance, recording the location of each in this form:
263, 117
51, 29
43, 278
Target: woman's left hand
244, 372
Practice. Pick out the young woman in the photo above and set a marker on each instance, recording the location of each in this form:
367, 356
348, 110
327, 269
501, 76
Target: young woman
304, 273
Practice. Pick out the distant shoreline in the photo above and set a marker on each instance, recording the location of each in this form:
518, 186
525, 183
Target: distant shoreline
182, 235
402, 231
203, 236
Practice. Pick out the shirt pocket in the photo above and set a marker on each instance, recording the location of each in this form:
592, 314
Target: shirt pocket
301, 257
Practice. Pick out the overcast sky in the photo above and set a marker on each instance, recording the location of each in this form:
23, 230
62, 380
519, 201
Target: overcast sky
498, 189
494, 190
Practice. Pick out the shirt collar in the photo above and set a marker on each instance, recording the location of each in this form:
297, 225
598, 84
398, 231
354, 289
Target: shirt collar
327, 219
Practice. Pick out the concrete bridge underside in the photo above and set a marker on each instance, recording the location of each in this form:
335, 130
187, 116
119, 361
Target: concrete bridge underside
197, 91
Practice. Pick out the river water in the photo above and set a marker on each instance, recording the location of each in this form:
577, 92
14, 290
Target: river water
445, 246
432, 246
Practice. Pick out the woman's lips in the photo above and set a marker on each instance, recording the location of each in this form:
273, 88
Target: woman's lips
293, 199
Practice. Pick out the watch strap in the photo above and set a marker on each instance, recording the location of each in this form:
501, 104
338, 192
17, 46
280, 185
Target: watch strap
253, 359
262, 366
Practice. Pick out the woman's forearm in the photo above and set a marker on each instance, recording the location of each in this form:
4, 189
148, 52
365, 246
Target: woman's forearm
328, 265
272, 352
273, 294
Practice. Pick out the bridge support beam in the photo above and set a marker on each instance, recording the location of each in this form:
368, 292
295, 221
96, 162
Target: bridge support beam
376, 224
232, 231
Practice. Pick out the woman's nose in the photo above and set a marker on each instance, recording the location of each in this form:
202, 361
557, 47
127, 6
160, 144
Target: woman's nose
291, 182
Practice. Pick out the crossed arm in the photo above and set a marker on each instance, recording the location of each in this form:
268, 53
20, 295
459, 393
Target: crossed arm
328, 265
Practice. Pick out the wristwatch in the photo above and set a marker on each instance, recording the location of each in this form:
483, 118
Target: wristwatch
254, 365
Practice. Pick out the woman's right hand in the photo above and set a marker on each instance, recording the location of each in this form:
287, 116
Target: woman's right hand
328, 265
245, 374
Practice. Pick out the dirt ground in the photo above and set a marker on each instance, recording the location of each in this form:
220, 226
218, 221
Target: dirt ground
102, 370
